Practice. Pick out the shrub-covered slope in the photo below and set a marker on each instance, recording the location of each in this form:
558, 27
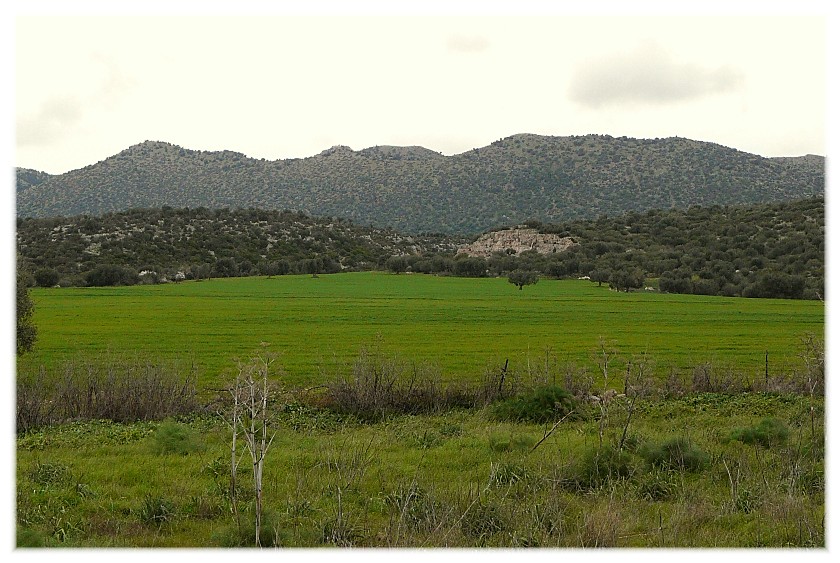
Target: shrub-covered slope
415, 189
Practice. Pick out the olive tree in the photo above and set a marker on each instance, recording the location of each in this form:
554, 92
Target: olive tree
521, 278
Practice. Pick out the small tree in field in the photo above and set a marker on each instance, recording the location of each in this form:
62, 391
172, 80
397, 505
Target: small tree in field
521, 278
249, 419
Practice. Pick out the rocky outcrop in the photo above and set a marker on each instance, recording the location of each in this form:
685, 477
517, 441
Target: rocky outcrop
516, 241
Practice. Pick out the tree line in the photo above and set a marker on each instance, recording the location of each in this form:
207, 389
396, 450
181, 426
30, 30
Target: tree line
768, 250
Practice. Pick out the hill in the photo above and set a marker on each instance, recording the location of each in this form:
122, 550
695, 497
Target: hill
767, 250
202, 242
414, 189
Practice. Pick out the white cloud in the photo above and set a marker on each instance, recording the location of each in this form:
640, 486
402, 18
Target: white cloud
467, 44
49, 123
648, 75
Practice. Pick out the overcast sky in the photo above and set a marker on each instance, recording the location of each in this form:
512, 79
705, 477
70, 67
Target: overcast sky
285, 86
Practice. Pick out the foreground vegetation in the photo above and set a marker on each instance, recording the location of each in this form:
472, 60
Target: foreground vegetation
475, 414
703, 470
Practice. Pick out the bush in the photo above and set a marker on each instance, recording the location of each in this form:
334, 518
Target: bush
601, 465
767, 432
109, 275
175, 438
121, 391
543, 404
46, 277
676, 453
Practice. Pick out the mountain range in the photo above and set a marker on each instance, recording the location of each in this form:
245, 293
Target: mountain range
415, 190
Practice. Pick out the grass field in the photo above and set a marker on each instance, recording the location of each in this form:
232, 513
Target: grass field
462, 325
455, 476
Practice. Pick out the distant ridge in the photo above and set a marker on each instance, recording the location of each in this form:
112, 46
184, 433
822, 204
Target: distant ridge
415, 189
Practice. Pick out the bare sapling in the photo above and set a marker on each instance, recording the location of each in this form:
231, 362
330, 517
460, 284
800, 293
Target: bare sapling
634, 380
604, 356
813, 355
249, 420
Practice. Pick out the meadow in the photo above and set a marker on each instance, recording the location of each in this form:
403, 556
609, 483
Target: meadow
463, 326
652, 467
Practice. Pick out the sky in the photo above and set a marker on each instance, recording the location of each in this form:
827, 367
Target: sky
90, 83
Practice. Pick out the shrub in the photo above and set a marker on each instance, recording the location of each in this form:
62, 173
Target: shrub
121, 391
380, 386
175, 438
109, 275
767, 432
543, 404
601, 465
46, 277
675, 453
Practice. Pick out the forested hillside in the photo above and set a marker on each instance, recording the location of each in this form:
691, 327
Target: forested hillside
769, 250
413, 189
202, 243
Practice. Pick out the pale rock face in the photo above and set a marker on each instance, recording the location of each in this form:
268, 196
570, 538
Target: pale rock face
516, 241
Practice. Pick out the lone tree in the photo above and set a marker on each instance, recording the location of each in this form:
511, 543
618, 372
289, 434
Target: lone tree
521, 278
26, 332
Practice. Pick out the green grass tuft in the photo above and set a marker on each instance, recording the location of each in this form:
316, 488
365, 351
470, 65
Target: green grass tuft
678, 454
768, 432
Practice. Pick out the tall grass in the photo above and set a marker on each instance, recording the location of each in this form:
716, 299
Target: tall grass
121, 390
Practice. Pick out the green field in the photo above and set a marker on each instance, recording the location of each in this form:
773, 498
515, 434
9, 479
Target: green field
462, 325
452, 477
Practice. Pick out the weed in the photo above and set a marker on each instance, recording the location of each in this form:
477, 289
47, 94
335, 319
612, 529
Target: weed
425, 440
746, 500
510, 442
272, 533
481, 520
414, 506
156, 510
450, 429
204, 507
599, 466
175, 438
675, 453
27, 537
657, 485
50, 474
768, 432
541, 405
506, 474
